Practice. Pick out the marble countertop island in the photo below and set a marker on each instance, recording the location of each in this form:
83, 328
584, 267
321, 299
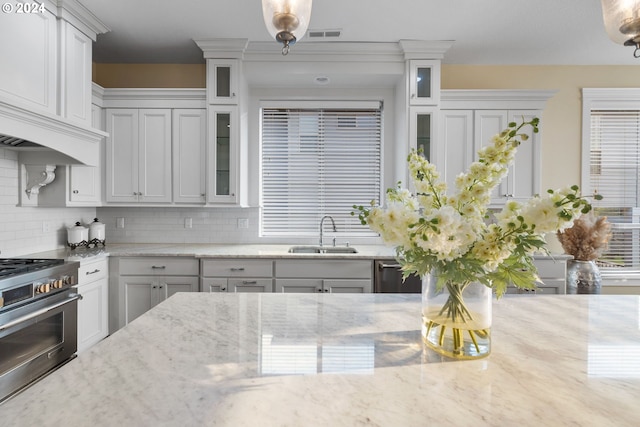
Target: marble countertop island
346, 360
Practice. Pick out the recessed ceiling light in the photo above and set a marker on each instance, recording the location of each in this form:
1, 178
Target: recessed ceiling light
321, 80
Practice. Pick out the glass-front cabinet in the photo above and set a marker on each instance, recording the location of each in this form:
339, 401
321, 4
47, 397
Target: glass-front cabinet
422, 124
424, 82
222, 81
222, 148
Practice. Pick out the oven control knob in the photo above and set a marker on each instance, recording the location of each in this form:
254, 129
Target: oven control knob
56, 284
41, 288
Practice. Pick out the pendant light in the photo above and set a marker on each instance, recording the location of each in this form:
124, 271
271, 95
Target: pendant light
286, 20
622, 22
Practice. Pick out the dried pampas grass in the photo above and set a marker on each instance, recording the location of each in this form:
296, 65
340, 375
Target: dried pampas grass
587, 238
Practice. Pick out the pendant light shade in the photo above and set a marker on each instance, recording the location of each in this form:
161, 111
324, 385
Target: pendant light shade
286, 20
622, 22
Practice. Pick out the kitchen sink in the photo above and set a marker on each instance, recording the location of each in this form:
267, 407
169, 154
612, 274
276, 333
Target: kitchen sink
322, 250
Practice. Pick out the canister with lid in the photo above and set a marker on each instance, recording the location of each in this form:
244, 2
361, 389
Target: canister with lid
96, 231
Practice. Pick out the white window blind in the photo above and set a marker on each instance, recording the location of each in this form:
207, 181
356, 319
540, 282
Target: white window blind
318, 162
615, 174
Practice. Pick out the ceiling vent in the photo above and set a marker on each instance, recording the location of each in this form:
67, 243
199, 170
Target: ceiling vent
324, 34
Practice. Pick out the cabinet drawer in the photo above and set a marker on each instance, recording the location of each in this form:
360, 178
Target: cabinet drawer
92, 271
159, 266
551, 268
250, 285
324, 269
237, 268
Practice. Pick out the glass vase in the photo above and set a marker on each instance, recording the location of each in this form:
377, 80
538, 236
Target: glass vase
583, 277
456, 320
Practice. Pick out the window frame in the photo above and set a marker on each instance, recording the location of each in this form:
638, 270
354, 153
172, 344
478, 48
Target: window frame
605, 99
322, 105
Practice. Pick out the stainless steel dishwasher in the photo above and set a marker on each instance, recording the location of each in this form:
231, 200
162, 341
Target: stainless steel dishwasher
388, 279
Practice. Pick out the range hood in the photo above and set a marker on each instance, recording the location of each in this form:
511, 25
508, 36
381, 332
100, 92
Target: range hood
46, 138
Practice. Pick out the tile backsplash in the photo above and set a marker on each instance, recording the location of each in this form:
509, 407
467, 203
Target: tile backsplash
179, 225
25, 230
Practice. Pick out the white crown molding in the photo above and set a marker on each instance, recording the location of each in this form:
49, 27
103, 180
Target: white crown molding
425, 49
327, 51
80, 17
324, 51
222, 48
617, 96
97, 94
153, 98
461, 99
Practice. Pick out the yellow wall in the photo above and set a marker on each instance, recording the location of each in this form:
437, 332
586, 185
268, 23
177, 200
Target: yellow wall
150, 75
561, 121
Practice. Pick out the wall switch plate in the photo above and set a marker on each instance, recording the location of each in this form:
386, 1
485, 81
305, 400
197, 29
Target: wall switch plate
46, 227
119, 222
243, 222
188, 223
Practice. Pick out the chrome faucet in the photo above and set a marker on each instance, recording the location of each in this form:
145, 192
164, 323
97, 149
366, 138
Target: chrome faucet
321, 224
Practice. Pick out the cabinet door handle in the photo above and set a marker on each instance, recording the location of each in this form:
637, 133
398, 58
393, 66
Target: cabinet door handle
93, 272
326, 290
249, 282
237, 268
223, 289
158, 267
75, 191
319, 289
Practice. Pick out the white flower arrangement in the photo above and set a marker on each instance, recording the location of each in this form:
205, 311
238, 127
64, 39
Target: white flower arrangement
452, 237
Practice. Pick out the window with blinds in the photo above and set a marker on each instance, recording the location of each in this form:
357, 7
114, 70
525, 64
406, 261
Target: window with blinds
614, 172
318, 162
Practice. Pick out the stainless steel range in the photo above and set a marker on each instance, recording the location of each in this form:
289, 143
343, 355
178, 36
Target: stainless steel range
38, 319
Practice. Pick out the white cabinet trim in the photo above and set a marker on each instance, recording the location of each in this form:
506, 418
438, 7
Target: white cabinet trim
494, 99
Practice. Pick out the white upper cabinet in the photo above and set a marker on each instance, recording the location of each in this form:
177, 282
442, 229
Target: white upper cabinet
523, 180
75, 74
222, 157
222, 81
29, 52
156, 151
455, 148
46, 58
470, 118
138, 155
85, 182
424, 82
189, 155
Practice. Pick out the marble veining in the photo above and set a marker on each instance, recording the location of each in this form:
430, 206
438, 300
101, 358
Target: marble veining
347, 359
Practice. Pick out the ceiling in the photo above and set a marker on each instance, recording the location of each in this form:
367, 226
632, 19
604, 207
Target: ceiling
546, 32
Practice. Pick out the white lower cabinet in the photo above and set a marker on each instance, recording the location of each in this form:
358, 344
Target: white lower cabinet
93, 308
552, 273
142, 293
325, 276
237, 275
144, 282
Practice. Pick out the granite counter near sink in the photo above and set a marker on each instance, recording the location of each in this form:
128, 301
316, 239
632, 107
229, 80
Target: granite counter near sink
345, 360
212, 251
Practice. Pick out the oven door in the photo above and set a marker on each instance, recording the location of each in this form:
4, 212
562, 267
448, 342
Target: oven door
35, 339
